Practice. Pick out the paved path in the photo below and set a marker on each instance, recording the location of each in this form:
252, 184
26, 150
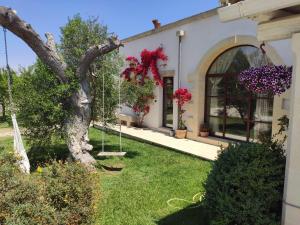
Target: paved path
6, 132
205, 151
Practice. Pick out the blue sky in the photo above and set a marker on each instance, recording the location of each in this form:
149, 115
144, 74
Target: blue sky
123, 17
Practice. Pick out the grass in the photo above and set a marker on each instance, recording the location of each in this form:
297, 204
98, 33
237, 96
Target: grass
152, 175
138, 194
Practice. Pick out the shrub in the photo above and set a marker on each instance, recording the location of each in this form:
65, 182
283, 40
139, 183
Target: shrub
57, 195
245, 186
139, 97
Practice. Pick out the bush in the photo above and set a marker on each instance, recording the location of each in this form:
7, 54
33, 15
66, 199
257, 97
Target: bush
245, 186
57, 195
139, 97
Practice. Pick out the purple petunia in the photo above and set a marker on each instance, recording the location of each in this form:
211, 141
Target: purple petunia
267, 79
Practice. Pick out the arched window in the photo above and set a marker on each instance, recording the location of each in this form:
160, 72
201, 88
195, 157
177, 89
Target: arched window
232, 111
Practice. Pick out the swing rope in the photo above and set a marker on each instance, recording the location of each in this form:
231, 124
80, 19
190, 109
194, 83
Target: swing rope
103, 115
103, 153
120, 108
18, 143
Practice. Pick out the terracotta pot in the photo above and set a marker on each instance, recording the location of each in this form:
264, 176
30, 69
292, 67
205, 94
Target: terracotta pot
181, 134
204, 134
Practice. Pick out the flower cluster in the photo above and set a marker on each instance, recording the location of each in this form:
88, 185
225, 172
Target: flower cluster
139, 71
267, 79
145, 109
182, 96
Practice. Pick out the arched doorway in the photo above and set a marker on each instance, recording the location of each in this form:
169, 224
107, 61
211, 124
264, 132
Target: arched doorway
231, 111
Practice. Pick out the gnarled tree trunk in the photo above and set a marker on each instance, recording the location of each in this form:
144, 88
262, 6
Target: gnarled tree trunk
78, 123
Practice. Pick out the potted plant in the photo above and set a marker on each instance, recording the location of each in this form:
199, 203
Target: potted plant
204, 130
182, 96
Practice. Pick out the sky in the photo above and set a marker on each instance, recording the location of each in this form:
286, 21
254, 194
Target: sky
123, 17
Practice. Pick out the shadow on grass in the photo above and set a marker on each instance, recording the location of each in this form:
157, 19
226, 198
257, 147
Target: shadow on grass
187, 216
41, 156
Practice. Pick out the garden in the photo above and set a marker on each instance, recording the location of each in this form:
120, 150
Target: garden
60, 179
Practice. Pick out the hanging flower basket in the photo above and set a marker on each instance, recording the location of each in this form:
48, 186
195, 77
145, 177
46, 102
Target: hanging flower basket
268, 79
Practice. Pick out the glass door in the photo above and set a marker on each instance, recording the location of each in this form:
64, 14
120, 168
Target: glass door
168, 102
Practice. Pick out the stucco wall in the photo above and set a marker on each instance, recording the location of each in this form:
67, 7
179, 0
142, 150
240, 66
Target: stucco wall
204, 40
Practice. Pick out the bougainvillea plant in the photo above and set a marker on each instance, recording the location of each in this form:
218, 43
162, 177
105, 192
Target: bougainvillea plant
149, 61
138, 97
182, 96
267, 79
137, 87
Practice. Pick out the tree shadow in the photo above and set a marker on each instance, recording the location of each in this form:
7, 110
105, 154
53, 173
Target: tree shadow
187, 216
41, 156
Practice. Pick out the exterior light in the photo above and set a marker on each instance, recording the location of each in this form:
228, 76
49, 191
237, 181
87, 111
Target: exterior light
180, 33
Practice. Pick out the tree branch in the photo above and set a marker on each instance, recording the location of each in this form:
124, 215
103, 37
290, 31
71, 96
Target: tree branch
12, 22
50, 44
95, 51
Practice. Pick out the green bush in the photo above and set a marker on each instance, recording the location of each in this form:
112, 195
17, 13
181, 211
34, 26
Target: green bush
245, 186
57, 195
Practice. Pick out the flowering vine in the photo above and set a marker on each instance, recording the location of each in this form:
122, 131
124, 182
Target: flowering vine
139, 88
182, 96
267, 79
138, 71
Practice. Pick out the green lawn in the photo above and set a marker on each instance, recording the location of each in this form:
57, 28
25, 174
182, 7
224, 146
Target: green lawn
138, 194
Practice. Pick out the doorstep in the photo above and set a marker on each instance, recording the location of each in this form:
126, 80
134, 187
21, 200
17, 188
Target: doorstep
212, 141
164, 130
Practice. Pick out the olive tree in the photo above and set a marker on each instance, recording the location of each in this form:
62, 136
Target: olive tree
3, 91
68, 70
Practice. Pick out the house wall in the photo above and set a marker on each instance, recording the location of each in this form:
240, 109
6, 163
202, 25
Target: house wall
205, 38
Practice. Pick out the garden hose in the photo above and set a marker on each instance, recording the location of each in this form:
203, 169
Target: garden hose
195, 200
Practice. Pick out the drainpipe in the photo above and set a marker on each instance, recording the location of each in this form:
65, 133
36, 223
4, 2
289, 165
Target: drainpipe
180, 34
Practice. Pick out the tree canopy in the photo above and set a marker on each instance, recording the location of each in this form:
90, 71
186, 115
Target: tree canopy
42, 99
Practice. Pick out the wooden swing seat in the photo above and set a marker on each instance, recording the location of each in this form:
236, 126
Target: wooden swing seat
114, 154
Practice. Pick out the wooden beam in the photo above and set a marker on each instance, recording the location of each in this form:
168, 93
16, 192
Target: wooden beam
249, 8
278, 29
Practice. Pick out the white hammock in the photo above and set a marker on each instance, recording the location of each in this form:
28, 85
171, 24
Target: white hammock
20, 151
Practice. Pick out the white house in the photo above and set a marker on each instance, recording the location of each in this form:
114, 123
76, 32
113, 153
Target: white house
205, 56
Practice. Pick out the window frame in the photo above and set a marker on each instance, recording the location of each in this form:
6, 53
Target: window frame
250, 98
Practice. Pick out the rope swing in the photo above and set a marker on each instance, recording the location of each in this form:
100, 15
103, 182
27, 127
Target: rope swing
104, 153
18, 143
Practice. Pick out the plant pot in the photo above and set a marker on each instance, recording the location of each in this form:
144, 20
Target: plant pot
172, 133
204, 133
180, 134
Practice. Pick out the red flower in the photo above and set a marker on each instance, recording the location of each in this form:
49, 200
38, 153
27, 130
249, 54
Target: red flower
182, 96
132, 59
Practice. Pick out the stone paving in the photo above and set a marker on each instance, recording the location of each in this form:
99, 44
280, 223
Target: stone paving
201, 150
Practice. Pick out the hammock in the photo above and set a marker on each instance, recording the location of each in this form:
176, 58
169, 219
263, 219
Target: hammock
19, 149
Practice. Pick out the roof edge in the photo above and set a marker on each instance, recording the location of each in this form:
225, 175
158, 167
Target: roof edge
177, 23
